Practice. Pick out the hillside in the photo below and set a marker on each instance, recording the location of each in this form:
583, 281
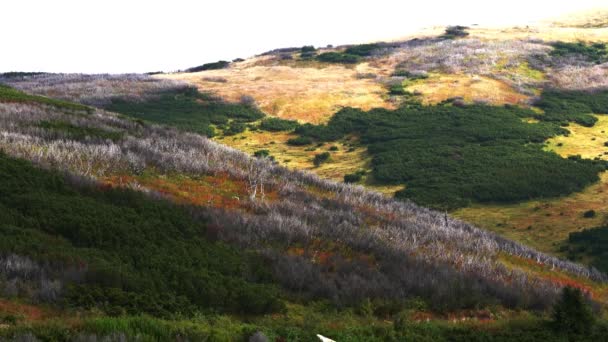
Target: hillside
210, 204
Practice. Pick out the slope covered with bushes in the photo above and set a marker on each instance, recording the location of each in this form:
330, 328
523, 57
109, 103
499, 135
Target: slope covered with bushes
321, 240
450, 156
117, 250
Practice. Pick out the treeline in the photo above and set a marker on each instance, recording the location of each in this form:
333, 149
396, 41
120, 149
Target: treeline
451, 156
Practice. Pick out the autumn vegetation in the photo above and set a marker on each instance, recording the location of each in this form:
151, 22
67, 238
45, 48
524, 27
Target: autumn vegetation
123, 219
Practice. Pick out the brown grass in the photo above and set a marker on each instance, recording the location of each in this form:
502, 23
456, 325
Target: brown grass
342, 161
441, 87
308, 94
544, 32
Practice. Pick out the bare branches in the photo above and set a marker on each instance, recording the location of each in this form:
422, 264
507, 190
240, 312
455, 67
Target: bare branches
403, 250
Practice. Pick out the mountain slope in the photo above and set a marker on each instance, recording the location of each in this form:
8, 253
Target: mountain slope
320, 240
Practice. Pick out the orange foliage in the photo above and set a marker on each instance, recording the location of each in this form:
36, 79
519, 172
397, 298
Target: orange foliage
29, 312
218, 191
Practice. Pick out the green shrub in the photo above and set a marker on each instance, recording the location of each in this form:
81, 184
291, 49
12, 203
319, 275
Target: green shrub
338, 57
362, 50
299, 141
277, 124
453, 32
321, 158
352, 178
308, 52
397, 89
575, 106
138, 255
210, 66
589, 214
235, 128
261, 153
590, 244
187, 109
451, 156
595, 52
572, 315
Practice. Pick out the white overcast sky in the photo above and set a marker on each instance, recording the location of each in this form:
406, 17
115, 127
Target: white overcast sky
114, 36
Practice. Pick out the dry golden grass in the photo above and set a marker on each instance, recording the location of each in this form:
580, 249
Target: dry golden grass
441, 87
342, 161
588, 142
308, 93
544, 224
544, 32
596, 18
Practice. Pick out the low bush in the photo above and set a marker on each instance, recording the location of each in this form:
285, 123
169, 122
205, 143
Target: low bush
338, 57
277, 125
397, 89
261, 153
589, 214
590, 244
321, 158
210, 66
235, 128
575, 106
362, 50
453, 32
308, 52
299, 141
187, 109
595, 52
450, 156
352, 178
122, 252
572, 315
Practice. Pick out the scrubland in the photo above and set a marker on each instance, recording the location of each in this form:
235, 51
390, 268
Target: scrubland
242, 227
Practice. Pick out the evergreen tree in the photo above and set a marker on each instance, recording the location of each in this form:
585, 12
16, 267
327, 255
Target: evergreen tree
571, 314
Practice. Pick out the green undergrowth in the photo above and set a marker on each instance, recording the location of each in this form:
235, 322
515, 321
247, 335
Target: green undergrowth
594, 52
278, 124
8, 94
339, 327
187, 109
132, 254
